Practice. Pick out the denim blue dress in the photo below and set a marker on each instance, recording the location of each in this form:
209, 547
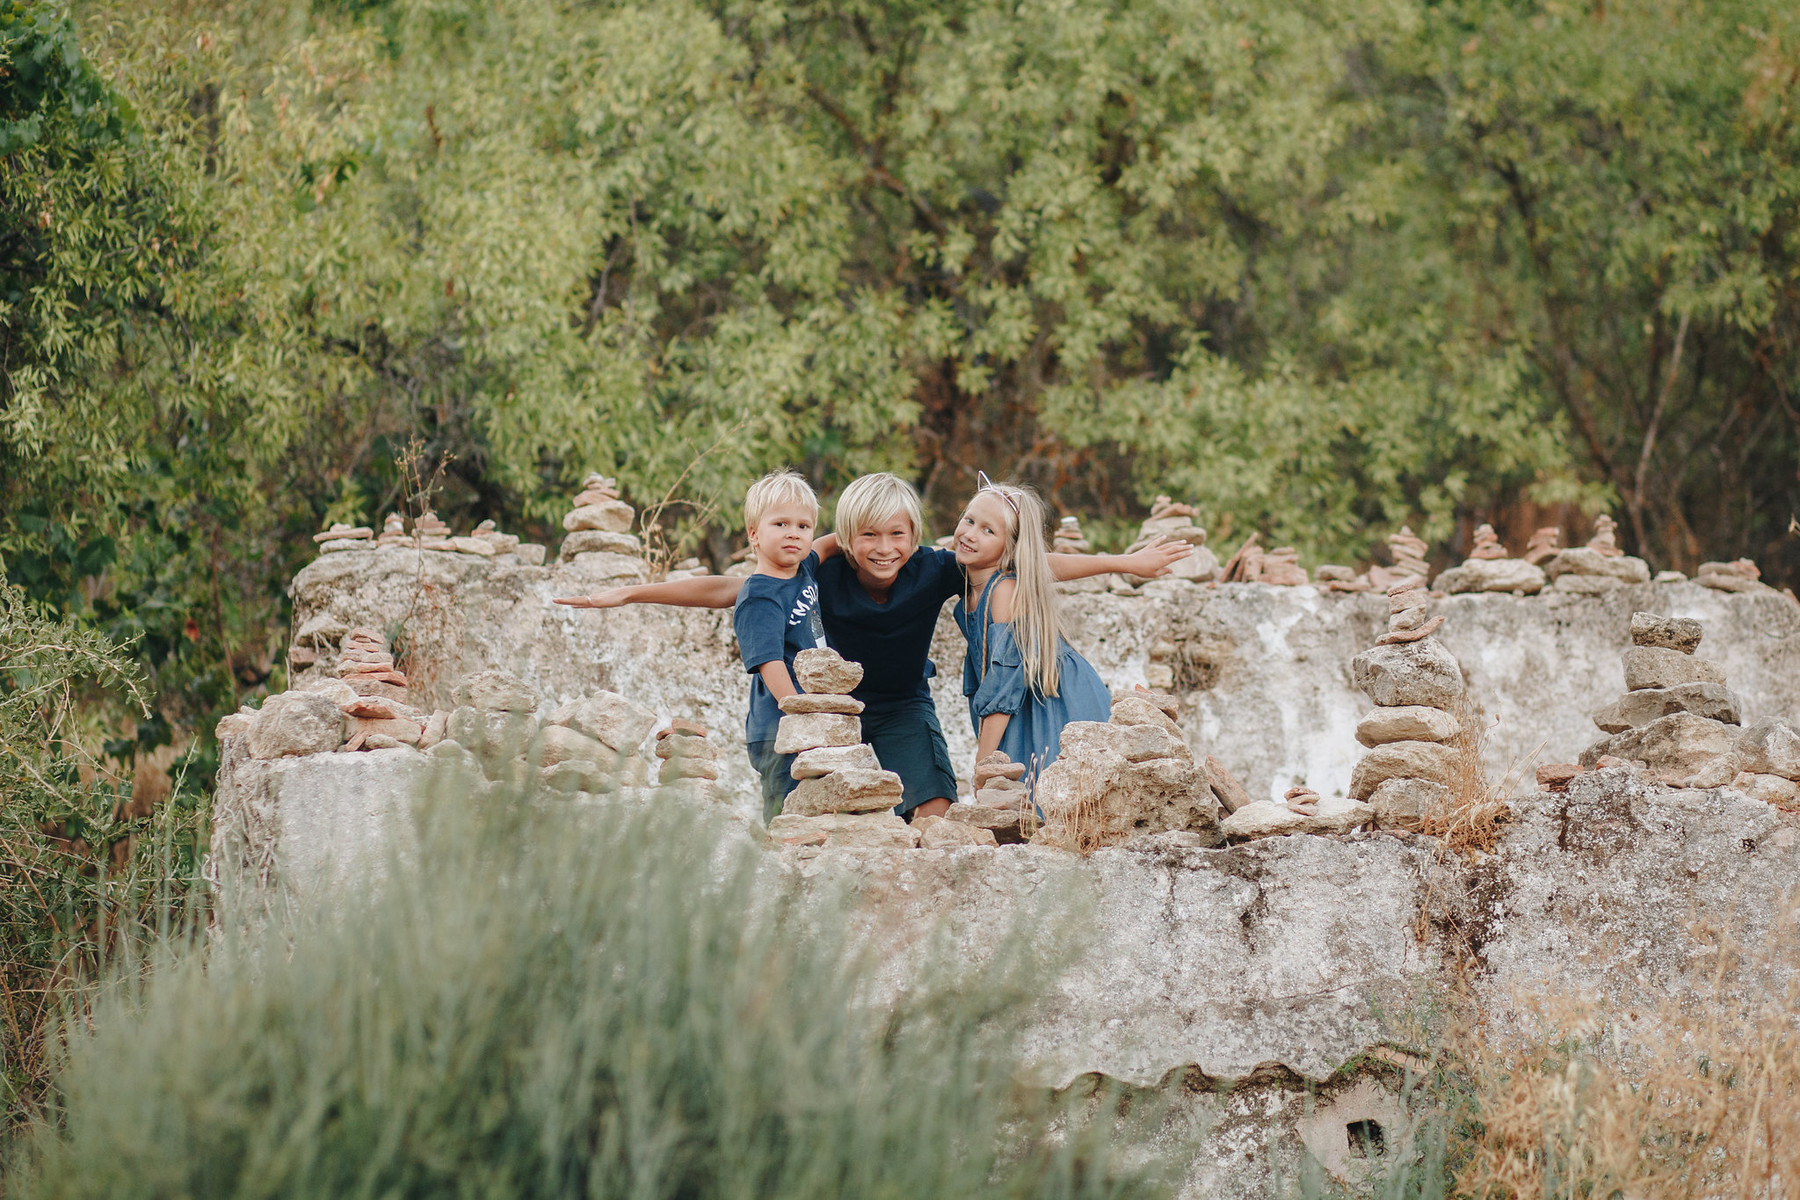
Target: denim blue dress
994, 682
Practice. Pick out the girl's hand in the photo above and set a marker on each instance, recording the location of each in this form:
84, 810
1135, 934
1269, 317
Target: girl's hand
610, 598
1155, 559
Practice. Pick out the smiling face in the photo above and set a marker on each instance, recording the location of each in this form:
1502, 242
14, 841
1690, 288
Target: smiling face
880, 550
981, 535
783, 537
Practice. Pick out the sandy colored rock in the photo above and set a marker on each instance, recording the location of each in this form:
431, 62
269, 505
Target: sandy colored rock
1135, 743
1403, 803
608, 516
559, 743
1403, 760
1677, 745
688, 768
1338, 814
571, 776
1655, 667
822, 760
596, 541
1110, 800
1645, 705
686, 745
1544, 545
1259, 819
1586, 585
1557, 776
1168, 702
996, 766
1606, 537
1420, 673
1584, 560
853, 790
876, 831
1131, 708
1403, 636
293, 723
1229, 792
1406, 723
809, 702
1486, 544
1670, 633
1770, 747
826, 671
358, 730
937, 833
608, 718
809, 731
1770, 789
496, 691
492, 736
1513, 575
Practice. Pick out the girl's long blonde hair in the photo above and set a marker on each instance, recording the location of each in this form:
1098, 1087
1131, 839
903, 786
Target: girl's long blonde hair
1036, 620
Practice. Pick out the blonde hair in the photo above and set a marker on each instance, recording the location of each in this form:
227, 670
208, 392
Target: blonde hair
778, 487
1036, 619
874, 500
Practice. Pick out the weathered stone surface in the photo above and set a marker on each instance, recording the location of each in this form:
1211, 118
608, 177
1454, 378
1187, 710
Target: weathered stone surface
1770, 747
1136, 743
496, 691
937, 833
402, 730
1770, 789
1406, 723
558, 743
1647, 704
807, 702
1134, 797
799, 732
573, 775
1581, 560
1402, 760
595, 541
1513, 575
608, 718
1338, 814
854, 790
491, 736
822, 760
1135, 708
1678, 744
296, 723
1403, 803
875, 831
688, 768
827, 671
686, 746
1422, 673
609, 516
1261, 818
1670, 633
1586, 585
1230, 792
1655, 667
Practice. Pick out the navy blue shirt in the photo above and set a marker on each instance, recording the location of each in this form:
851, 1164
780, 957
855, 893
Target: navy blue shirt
892, 641
775, 619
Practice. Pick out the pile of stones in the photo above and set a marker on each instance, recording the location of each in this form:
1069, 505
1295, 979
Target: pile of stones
844, 798
1408, 551
599, 521
378, 716
999, 810
429, 533
1418, 691
1114, 781
1489, 568
366, 664
1677, 717
591, 744
1068, 538
690, 763
1175, 521
1600, 566
344, 537
1741, 575
1545, 544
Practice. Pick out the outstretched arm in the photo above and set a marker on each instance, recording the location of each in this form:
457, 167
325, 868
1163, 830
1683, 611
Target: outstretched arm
1152, 560
700, 591
826, 546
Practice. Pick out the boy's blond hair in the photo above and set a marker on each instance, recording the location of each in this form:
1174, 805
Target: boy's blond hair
873, 500
778, 487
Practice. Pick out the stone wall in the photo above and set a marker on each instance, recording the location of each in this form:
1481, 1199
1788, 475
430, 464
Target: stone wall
1264, 670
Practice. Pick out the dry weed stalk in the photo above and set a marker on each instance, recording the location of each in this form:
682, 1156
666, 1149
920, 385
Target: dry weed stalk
1081, 826
1470, 818
1694, 1094
659, 550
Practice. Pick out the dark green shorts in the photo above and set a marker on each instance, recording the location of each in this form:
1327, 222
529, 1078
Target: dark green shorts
909, 742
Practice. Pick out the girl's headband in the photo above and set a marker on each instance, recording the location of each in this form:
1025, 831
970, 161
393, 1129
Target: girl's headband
984, 484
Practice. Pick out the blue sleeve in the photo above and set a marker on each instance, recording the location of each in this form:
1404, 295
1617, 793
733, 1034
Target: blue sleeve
1002, 688
946, 579
761, 626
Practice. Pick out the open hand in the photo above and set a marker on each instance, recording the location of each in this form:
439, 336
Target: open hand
610, 598
1156, 557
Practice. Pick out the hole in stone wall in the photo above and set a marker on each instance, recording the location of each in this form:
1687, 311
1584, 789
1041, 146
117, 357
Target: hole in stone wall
1366, 1139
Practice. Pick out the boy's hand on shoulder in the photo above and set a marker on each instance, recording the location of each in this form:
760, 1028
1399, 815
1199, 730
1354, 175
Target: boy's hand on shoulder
1155, 559
610, 598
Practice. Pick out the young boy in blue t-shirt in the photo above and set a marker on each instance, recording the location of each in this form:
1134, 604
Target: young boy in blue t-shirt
776, 615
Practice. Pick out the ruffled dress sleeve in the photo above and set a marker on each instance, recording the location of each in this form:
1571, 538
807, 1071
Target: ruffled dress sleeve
1002, 688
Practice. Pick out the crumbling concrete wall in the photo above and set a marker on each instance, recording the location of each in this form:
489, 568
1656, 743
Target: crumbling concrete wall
1264, 670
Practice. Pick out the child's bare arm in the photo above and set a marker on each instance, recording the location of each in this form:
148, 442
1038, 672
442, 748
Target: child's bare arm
993, 728
827, 546
1150, 561
701, 591
775, 675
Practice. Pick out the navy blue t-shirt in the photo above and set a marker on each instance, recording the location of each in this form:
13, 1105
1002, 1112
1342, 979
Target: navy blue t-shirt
775, 619
892, 641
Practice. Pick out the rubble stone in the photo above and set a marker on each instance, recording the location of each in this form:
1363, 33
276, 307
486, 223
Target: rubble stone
1421, 672
1406, 723
608, 718
1404, 803
937, 833
810, 731
1669, 633
826, 671
819, 702
853, 789
875, 831
559, 743
1135, 743
496, 691
1133, 798
1770, 747
1402, 760
293, 723
1770, 789
1655, 667
1678, 744
823, 760
1132, 708
1640, 707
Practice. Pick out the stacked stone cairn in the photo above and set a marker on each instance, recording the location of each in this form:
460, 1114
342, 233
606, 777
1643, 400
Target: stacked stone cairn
1252, 564
393, 532
1677, 717
599, 521
1244, 566
367, 666
1743, 575
378, 716
1418, 691
998, 811
1545, 544
1130, 777
1408, 550
1489, 569
1068, 538
430, 533
690, 763
590, 744
1600, 566
844, 798
1340, 578
344, 537
1174, 521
